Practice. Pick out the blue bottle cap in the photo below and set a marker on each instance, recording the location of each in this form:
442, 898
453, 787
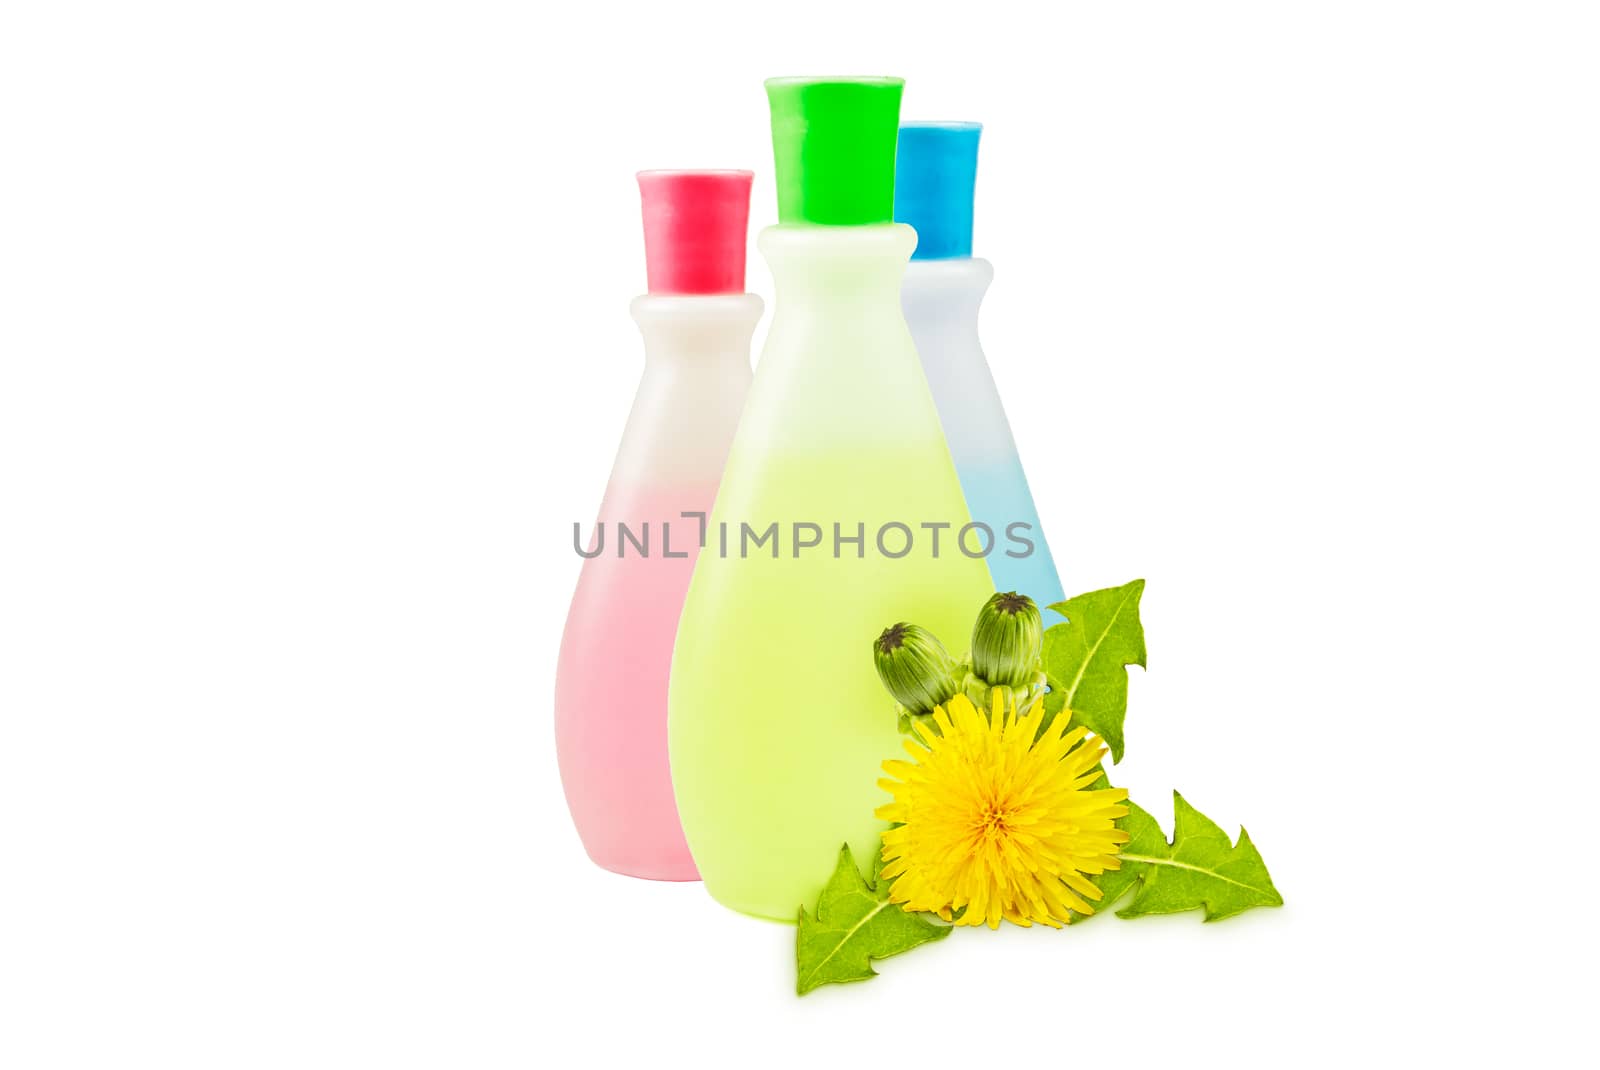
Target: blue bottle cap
935, 169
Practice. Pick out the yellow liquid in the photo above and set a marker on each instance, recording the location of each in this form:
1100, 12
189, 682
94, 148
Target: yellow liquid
778, 724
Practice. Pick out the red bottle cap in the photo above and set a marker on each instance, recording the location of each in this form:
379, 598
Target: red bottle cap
695, 225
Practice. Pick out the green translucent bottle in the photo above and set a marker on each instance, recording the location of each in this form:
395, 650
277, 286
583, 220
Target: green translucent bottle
777, 724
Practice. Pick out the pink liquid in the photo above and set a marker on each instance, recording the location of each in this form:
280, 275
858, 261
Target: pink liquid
611, 686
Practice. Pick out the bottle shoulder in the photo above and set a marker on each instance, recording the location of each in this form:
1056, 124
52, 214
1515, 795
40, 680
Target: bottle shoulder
945, 293
692, 327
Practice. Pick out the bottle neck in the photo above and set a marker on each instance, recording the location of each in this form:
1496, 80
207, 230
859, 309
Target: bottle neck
839, 371
946, 293
857, 268
942, 298
696, 376
698, 330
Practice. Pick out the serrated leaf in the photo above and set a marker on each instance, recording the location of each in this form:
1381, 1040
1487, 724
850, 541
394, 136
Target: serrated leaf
1200, 869
1086, 659
854, 924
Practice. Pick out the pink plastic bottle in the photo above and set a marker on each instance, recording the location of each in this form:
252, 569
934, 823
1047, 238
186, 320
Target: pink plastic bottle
611, 682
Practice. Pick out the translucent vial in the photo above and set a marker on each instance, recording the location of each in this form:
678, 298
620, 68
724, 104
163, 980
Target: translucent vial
777, 723
611, 681
935, 175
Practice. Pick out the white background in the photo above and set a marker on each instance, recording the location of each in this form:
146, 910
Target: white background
314, 343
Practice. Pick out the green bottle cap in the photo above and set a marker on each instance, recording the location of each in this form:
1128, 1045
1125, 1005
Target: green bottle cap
833, 141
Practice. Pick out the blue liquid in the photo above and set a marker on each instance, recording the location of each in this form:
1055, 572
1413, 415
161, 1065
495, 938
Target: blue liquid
997, 495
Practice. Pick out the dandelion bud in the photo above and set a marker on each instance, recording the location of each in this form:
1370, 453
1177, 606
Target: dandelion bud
915, 667
1007, 640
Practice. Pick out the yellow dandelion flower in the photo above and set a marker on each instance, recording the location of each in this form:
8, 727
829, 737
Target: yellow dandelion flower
994, 824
